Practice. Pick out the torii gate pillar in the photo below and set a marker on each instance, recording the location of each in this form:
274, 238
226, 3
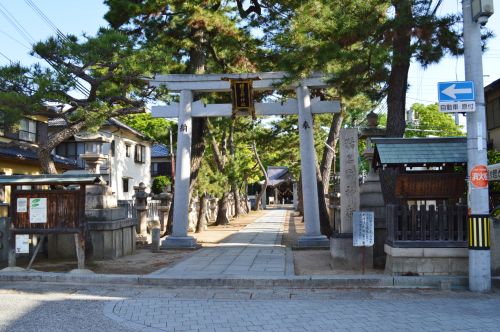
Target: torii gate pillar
313, 236
179, 237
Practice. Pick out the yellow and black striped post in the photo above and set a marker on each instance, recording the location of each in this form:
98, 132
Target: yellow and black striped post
479, 232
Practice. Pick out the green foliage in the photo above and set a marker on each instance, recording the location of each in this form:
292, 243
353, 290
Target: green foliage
159, 183
156, 128
431, 122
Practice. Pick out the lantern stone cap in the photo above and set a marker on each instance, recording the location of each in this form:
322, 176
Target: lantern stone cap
92, 137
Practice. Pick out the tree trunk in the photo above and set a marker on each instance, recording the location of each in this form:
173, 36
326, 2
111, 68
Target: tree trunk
44, 151
300, 205
398, 85
46, 162
323, 173
202, 215
324, 216
234, 185
237, 201
196, 65
266, 178
328, 155
222, 211
398, 79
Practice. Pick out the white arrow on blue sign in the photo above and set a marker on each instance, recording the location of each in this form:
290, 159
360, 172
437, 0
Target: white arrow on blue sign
456, 91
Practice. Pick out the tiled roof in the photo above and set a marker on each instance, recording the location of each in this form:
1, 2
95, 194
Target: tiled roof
416, 151
31, 155
60, 122
159, 151
277, 174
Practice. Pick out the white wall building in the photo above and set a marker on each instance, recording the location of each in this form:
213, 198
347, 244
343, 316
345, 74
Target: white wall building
127, 154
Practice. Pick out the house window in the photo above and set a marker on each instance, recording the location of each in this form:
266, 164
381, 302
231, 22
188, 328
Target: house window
160, 168
127, 150
140, 154
125, 185
27, 130
71, 150
112, 148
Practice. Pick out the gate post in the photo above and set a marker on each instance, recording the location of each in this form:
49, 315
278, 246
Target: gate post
179, 238
313, 236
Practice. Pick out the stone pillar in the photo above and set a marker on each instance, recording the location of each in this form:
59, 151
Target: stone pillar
141, 205
164, 208
344, 254
276, 196
179, 238
349, 182
295, 196
313, 236
212, 208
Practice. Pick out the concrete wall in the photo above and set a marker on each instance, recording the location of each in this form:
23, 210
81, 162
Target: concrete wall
426, 261
123, 166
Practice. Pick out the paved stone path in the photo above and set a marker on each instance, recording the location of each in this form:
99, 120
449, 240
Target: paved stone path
255, 251
156, 314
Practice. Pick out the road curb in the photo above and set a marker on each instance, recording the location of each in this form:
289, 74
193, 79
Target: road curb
347, 281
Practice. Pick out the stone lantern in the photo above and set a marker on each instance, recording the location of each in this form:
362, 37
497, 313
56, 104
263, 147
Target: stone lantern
141, 205
93, 155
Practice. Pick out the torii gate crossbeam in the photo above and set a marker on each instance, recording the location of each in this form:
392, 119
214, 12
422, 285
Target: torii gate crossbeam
186, 109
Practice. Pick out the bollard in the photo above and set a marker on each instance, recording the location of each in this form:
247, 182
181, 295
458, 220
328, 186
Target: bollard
155, 239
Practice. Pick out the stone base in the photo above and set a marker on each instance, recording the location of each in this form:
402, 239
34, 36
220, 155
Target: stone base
110, 240
179, 242
142, 239
426, 261
319, 241
346, 256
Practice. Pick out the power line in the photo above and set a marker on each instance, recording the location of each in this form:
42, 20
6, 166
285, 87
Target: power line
16, 40
18, 26
46, 19
6, 57
79, 86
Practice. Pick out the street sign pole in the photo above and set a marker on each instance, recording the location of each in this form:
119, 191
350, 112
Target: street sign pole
479, 223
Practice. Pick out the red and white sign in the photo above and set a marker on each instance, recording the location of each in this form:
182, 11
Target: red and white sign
479, 176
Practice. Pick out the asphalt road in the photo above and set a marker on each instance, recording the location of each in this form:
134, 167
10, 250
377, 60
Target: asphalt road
51, 307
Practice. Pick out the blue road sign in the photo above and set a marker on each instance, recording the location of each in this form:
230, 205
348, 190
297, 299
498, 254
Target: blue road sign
456, 91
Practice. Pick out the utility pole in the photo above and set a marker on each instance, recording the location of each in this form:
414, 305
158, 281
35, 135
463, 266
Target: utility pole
478, 199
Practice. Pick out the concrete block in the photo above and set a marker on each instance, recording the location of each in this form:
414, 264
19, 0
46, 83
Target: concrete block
404, 252
345, 255
320, 241
445, 252
106, 214
459, 266
182, 242
410, 265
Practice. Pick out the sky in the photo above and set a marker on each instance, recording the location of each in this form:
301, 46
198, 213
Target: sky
86, 16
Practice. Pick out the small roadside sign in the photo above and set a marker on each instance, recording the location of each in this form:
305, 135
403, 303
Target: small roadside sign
22, 243
494, 172
363, 229
479, 176
456, 91
456, 97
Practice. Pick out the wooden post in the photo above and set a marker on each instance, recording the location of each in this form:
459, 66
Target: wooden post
11, 218
80, 250
37, 248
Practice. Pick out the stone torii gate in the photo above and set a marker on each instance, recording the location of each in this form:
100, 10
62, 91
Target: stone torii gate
186, 109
